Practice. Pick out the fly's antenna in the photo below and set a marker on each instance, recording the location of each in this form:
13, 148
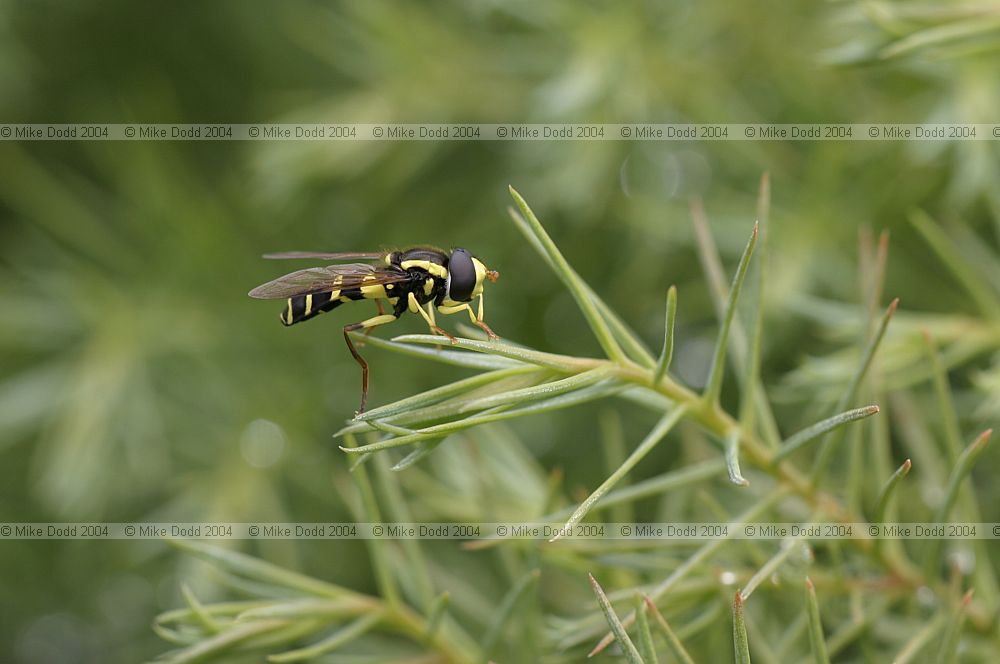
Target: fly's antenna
492, 275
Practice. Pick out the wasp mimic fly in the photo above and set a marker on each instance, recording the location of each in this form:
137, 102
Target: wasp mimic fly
420, 279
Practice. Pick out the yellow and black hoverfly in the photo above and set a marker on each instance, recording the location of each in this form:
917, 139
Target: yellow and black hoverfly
420, 279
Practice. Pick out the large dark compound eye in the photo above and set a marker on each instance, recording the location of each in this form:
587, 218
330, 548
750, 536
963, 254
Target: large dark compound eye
461, 276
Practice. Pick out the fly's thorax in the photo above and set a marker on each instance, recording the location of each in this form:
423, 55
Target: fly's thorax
431, 261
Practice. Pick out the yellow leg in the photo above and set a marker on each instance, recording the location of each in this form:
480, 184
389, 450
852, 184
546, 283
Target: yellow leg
416, 306
472, 316
381, 312
366, 325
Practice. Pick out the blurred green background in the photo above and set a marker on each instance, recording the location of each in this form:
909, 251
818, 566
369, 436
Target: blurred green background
137, 380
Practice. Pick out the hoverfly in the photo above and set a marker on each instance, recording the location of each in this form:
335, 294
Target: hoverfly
420, 279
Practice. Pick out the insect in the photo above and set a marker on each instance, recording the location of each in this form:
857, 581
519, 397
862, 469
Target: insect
420, 279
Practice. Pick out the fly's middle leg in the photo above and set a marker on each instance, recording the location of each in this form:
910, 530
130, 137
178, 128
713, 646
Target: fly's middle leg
417, 307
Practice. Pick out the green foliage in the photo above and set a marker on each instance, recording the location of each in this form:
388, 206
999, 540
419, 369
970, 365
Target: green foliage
546, 382
137, 383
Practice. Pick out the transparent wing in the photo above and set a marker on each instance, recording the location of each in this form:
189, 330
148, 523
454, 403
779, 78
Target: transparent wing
324, 256
328, 278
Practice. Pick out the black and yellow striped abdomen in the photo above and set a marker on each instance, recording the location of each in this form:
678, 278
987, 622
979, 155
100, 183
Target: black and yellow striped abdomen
304, 307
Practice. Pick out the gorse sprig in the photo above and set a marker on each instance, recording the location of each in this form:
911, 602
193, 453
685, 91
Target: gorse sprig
514, 381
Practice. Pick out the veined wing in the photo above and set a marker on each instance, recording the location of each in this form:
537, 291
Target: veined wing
324, 256
328, 278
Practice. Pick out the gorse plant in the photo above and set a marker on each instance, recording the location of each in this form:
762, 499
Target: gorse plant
824, 598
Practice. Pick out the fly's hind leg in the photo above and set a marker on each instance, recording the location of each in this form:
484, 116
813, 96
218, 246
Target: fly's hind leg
366, 325
381, 312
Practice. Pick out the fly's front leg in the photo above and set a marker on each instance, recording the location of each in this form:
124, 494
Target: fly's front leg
366, 325
479, 322
482, 323
416, 307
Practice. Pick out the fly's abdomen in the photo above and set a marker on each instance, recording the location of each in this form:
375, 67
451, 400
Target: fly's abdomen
304, 307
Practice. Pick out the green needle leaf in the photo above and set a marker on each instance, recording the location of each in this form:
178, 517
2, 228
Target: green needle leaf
962, 469
441, 354
252, 568
504, 351
531, 227
953, 630
958, 474
733, 458
422, 450
631, 654
203, 617
809, 434
714, 386
740, 644
788, 547
646, 649
702, 554
917, 645
674, 643
332, 642
538, 392
439, 394
825, 452
438, 609
889, 490
667, 353
661, 429
377, 548
505, 610
497, 414
628, 338
226, 640
952, 257
816, 640
305, 607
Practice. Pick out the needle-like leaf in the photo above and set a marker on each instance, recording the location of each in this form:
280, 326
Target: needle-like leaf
646, 649
663, 363
339, 638
714, 386
762, 505
958, 475
661, 429
827, 447
733, 458
538, 392
788, 547
740, 644
439, 394
948, 652
674, 643
951, 256
888, 491
438, 608
816, 639
809, 434
631, 653
505, 609
570, 279
377, 547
